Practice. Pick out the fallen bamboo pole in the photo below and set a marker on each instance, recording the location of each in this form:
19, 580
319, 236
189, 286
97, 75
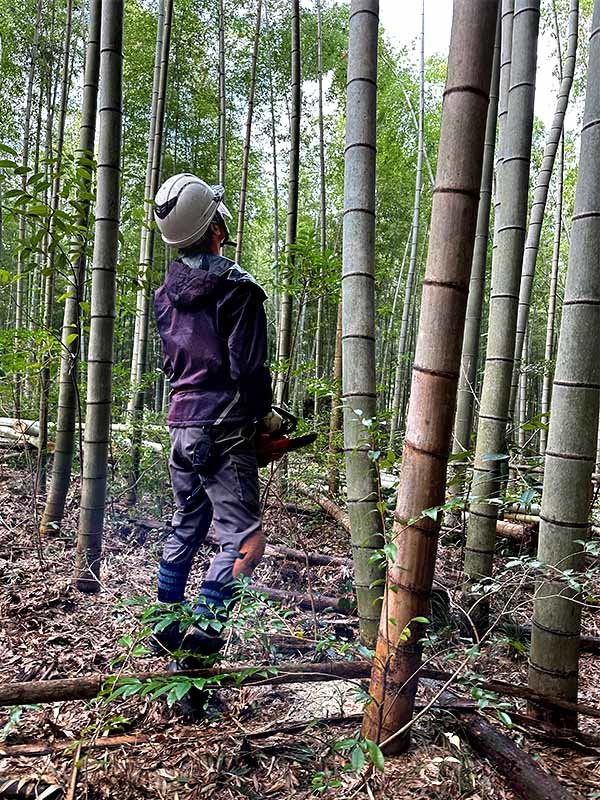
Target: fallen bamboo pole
87, 687
521, 773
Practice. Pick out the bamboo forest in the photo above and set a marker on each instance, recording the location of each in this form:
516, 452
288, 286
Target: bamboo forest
300, 399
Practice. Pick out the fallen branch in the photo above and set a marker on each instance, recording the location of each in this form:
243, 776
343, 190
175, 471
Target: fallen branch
330, 508
308, 601
587, 644
85, 688
517, 690
526, 778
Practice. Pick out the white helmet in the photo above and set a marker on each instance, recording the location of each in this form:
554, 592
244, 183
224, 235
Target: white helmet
185, 206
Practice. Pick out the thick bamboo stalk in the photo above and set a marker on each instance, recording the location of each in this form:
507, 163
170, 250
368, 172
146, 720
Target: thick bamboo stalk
570, 456
68, 382
248, 138
513, 184
102, 317
469, 361
463, 422
284, 353
540, 195
358, 312
401, 355
53, 244
435, 373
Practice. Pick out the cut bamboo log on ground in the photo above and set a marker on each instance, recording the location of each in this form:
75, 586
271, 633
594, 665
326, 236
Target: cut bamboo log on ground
87, 687
521, 773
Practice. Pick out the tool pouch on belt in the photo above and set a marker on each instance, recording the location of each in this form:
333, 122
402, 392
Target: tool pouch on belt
205, 458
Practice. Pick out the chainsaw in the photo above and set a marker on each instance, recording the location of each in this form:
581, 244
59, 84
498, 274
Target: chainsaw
274, 446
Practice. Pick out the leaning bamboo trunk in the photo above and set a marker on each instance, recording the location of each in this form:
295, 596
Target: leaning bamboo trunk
540, 196
401, 366
358, 312
139, 392
435, 374
513, 184
570, 456
463, 422
248, 139
53, 244
550, 320
102, 317
285, 321
71, 342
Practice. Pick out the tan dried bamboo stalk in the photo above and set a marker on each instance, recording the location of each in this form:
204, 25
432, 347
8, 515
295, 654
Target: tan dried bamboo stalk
435, 373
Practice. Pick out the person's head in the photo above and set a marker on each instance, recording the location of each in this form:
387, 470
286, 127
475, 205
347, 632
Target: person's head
190, 214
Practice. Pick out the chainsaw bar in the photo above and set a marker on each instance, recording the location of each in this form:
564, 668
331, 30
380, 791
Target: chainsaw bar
302, 441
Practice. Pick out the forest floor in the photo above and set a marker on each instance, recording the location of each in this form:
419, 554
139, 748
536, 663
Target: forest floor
251, 748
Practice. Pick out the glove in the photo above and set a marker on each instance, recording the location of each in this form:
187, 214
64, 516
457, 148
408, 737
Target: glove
272, 421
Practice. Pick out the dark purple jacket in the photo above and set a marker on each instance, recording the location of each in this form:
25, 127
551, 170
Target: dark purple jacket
211, 320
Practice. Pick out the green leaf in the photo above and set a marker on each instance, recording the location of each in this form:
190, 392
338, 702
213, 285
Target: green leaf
375, 754
6, 162
38, 211
422, 620
71, 338
432, 513
505, 718
358, 759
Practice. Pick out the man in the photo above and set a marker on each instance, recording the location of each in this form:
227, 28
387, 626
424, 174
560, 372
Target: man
211, 320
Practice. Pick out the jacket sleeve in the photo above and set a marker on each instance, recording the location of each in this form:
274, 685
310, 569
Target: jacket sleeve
246, 326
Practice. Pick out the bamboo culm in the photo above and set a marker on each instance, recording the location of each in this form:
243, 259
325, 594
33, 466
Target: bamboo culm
248, 138
358, 313
507, 259
571, 451
550, 320
540, 195
435, 375
147, 212
102, 316
285, 320
148, 255
53, 246
401, 366
68, 400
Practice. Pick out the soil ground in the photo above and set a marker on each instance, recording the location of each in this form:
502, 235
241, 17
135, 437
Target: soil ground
250, 749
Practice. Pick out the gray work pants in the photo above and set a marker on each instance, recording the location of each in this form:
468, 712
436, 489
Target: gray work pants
228, 498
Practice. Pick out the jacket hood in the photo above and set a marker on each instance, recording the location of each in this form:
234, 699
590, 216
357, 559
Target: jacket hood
187, 287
